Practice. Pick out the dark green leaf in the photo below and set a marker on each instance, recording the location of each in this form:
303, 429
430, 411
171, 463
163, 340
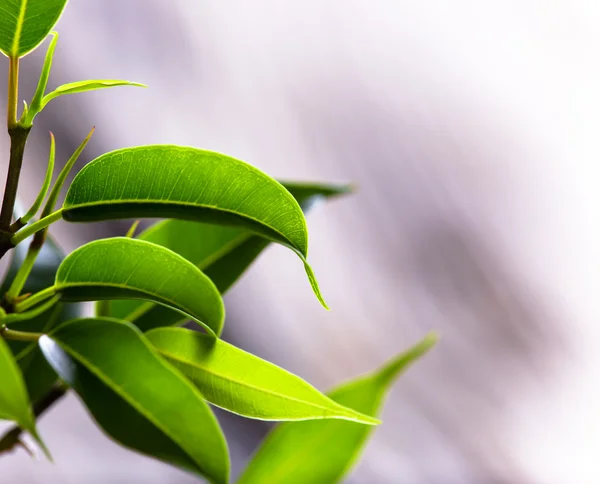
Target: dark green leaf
190, 184
24, 24
322, 452
128, 268
222, 253
136, 397
243, 383
83, 86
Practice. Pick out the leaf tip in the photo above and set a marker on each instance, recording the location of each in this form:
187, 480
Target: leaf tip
314, 284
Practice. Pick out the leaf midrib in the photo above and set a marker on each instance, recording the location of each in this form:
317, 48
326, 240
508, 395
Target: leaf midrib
292, 246
19, 28
121, 392
122, 286
258, 389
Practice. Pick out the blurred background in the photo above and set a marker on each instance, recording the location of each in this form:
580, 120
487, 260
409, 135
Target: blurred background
471, 128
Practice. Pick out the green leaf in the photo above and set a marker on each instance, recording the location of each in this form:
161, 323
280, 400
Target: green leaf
38, 375
14, 401
83, 86
222, 253
121, 267
187, 183
24, 24
322, 452
242, 383
137, 398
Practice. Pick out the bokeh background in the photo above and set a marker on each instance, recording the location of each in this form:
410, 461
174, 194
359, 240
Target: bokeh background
471, 128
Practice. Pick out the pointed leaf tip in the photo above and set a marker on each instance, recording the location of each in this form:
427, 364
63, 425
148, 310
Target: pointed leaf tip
323, 452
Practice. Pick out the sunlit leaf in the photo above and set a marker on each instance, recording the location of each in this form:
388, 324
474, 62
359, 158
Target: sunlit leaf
83, 86
187, 183
25, 23
243, 383
128, 268
222, 253
322, 452
136, 397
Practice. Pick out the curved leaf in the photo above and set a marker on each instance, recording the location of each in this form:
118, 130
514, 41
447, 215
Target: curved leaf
189, 184
128, 268
222, 253
322, 452
136, 397
24, 24
14, 402
242, 383
84, 86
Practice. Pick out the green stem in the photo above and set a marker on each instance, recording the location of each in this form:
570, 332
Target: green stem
36, 227
34, 313
19, 335
22, 274
103, 308
37, 298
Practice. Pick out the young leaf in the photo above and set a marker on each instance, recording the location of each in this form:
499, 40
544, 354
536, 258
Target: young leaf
222, 253
14, 402
190, 184
24, 24
83, 86
242, 383
121, 267
136, 397
21, 221
322, 452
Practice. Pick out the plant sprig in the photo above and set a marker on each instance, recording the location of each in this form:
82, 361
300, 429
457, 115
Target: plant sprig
130, 362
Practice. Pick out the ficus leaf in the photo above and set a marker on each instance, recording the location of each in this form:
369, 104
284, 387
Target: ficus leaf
240, 382
137, 398
322, 452
222, 253
24, 24
14, 401
83, 86
187, 183
121, 267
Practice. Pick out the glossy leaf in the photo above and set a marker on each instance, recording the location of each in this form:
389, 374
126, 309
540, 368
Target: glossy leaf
322, 452
222, 253
136, 397
128, 268
242, 383
84, 86
24, 24
39, 377
189, 184
14, 401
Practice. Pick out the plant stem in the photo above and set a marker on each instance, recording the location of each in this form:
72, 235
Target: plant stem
19, 335
18, 139
37, 298
12, 438
37, 226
